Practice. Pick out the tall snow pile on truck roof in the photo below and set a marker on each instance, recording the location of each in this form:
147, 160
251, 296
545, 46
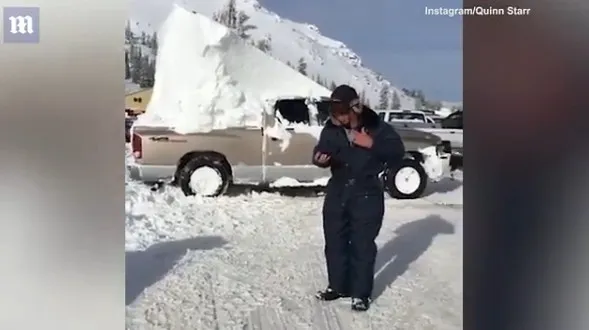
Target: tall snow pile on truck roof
208, 78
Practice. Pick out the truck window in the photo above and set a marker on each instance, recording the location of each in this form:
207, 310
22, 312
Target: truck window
405, 116
395, 116
453, 121
294, 111
322, 112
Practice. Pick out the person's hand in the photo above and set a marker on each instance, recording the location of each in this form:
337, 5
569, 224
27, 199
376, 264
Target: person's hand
322, 158
362, 139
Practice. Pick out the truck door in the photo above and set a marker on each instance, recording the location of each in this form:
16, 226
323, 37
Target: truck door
292, 157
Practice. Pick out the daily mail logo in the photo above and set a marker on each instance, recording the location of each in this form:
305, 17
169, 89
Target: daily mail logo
20, 24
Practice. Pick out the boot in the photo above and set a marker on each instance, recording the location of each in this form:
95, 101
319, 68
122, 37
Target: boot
329, 294
361, 304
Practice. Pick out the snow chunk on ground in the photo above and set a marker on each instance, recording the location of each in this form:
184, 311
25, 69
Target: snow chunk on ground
209, 78
290, 182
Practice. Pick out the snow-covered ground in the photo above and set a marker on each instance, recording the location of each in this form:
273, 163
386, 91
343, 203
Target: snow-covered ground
254, 261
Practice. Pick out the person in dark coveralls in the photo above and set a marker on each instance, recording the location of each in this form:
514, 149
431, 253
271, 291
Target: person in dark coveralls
356, 144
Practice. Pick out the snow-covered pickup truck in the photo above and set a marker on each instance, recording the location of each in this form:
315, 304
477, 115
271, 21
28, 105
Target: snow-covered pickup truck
280, 147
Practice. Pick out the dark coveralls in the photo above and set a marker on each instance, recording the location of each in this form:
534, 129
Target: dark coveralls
353, 208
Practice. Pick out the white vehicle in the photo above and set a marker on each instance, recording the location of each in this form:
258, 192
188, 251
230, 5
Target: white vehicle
411, 118
448, 129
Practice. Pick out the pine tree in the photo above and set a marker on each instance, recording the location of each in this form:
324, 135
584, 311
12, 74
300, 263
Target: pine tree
143, 38
420, 101
146, 72
234, 19
136, 62
265, 44
395, 101
332, 86
154, 44
363, 97
383, 102
144, 62
242, 27
128, 33
302, 66
418, 104
231, 14
132, 52
228, 15
319, 80
127, 67
421, 97
150, 74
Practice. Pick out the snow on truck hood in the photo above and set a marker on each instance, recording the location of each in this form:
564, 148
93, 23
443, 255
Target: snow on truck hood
209, 78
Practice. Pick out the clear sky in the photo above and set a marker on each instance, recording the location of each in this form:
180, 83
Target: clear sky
393, 37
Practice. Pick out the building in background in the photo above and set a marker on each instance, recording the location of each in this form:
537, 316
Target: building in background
136, 102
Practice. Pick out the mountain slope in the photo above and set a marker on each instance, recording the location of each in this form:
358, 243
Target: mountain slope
290, 41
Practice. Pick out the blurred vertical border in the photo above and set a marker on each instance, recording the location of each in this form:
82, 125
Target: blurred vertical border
62, 169
527, 178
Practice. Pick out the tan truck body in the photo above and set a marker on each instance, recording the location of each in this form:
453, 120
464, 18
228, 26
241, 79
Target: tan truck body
252, 156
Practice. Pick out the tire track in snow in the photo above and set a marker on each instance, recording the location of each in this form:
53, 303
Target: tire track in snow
268, 318
271, 314
324, 315
209, 280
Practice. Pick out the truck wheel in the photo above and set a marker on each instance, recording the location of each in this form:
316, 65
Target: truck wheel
408, 181
203, 176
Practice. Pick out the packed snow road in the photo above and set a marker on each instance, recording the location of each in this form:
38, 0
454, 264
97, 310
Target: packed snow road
254, 261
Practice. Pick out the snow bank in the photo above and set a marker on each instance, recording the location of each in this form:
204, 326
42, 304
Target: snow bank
444, 112
208, 78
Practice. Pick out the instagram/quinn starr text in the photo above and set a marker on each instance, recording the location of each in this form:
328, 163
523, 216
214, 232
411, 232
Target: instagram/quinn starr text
477, 11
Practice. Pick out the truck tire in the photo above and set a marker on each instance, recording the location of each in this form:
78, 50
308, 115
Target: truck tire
407, 181
204, 176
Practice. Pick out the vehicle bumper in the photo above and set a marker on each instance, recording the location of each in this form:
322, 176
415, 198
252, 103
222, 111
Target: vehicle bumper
456, 162
151, 173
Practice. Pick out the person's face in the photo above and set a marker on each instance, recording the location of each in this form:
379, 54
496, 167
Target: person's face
341, 113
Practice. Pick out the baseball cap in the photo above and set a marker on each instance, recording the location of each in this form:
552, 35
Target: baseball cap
344, 94
343, 98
